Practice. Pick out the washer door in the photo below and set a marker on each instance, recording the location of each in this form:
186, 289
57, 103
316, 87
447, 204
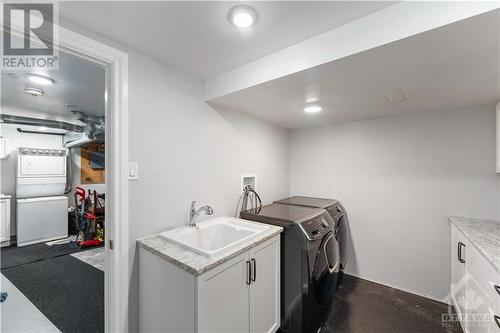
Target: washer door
326, 269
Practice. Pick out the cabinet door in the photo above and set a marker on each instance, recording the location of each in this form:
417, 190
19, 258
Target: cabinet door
479, 293
223, 297
265, 287
4, 220
479, 319
494, 285
458, 270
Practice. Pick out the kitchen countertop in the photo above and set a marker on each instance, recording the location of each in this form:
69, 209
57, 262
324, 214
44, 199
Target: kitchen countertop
484, 235
195, 263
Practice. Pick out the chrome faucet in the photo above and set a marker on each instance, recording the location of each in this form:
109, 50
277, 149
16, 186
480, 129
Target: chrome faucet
193, 213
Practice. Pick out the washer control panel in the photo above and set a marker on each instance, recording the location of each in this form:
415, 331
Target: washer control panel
317, 227
42, 152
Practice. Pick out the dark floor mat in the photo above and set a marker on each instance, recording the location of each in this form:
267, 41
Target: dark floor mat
363, 306
66, 290
13, 256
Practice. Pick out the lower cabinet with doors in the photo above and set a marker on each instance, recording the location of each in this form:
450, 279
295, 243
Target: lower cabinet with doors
239, 295
475, 286
5, 220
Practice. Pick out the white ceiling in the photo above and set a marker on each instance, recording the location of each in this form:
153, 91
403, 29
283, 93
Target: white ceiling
197, 38
451, 67
77, 81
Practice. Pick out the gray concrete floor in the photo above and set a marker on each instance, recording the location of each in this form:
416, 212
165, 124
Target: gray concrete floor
363, 306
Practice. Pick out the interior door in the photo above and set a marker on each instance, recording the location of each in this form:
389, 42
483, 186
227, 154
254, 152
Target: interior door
265, 287
228, 284
458, 270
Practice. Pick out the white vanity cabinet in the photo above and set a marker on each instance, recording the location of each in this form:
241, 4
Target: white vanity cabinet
475, 286
241, 294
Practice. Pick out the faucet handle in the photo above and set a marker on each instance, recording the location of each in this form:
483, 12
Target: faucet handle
192, 204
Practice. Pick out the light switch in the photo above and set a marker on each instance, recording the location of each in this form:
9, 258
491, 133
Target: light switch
133, 171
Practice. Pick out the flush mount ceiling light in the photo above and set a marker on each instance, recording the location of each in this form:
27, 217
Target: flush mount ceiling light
40, 79
34, 91
312, 109
242, 16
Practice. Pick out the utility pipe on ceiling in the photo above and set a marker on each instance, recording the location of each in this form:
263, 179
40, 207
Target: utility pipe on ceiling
9, 119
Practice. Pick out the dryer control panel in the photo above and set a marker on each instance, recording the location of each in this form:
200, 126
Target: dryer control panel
335, 211
42, 152
318, 226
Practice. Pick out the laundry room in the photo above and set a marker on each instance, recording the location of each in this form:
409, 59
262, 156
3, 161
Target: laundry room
53, 194
263, 166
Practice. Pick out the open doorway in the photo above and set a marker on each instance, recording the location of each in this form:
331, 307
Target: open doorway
53, 169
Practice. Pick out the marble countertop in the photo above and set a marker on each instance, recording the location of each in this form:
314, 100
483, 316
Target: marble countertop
484, 235
195, 263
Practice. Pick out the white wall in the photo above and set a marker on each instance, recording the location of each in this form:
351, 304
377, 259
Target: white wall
188, 151
399, 179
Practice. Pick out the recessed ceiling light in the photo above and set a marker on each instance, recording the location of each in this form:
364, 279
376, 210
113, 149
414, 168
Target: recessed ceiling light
397, 96
40, 79
312, 109
34, 91
243, 16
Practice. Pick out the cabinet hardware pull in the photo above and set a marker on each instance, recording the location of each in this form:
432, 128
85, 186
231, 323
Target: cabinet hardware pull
254, 269
497, 320
460, 245
497, 289
249, 270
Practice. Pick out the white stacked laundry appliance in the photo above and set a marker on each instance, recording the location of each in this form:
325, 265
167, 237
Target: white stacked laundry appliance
42, 208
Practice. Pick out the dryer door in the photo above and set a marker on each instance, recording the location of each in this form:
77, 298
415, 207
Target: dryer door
326, 269
343, 239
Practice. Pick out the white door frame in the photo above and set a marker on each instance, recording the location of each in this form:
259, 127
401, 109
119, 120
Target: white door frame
117, 280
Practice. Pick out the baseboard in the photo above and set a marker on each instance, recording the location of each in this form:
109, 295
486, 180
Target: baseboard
42, 240
400, 288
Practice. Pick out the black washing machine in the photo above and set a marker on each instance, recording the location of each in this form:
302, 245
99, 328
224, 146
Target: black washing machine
338, 214
310, 262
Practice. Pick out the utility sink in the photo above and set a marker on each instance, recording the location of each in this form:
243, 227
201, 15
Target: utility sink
213, 237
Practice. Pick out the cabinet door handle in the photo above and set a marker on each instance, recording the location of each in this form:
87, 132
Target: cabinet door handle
460, 245
254, 276
497, 320
497, 288
249, 271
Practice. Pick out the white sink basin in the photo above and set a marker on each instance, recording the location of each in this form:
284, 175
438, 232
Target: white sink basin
212, 237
